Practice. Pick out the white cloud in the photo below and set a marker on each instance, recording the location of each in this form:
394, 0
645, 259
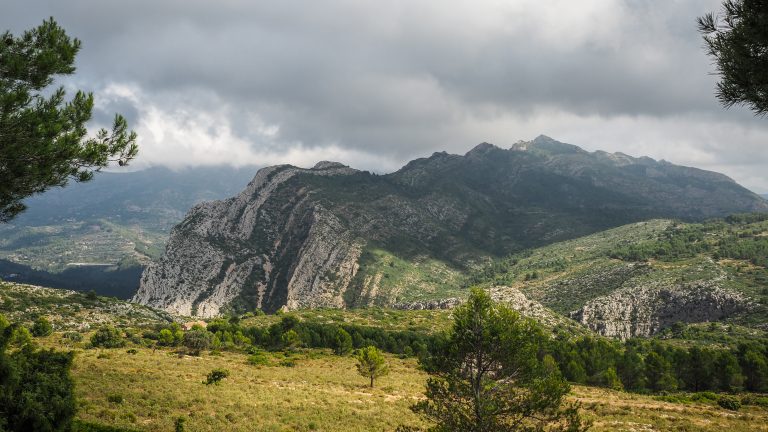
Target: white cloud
373, 83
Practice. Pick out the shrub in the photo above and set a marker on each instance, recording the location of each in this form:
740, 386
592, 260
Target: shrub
258, 359
197, 340
36, 390
73, 336
215, 376
42, 327
115, 398
729, 403
290, 339
165, 337
132, 351
754, 400
108, 337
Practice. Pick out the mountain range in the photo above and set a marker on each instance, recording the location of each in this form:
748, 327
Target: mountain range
333, 236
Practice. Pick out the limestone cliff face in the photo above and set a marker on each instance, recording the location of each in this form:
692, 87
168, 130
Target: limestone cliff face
261, 246
332, 236
645, 310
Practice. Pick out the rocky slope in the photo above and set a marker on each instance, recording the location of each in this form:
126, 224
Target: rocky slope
332, 236
646, 310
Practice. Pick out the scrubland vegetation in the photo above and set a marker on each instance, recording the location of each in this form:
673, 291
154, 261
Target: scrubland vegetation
296, 372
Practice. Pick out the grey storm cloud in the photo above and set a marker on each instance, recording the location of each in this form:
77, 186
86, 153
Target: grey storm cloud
374, 84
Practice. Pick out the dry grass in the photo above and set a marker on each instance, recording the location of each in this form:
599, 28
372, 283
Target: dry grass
323, 392
619, 411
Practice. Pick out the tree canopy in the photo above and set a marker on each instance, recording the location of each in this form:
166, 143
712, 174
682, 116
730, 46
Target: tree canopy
371, 363
489, 375
43, 137
36, 389
737, 40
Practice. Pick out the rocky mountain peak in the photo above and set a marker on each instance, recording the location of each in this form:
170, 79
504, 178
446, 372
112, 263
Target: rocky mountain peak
307, 237
322, 165
482, 149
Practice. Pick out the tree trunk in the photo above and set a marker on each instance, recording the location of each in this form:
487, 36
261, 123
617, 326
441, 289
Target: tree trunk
371, 381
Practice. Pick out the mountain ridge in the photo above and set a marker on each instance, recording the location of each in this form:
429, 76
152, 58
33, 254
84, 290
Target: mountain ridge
318, 237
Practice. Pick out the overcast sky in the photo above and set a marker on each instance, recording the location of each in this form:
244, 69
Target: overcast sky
374, 84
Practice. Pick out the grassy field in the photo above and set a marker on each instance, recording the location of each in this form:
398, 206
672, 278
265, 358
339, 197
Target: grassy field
424, 321
320, 392
148, 390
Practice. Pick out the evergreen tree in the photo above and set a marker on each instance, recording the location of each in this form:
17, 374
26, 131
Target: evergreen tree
36, 390
755, 369
737, 40
658, 371
108, 337
42, 327
342, 342
197, 340
631, 369
697, 369
487, 375
371, 363
43, 137
728, 372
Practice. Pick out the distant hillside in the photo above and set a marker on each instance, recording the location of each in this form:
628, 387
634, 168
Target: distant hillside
99, 235
648, 277
332, 236
70, 310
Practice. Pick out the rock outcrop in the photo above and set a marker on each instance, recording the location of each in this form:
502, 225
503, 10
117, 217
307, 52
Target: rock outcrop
645, 310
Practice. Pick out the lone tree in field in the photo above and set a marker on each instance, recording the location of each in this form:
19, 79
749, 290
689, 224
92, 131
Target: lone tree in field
487, 375
737, 39
43, 137
371, 363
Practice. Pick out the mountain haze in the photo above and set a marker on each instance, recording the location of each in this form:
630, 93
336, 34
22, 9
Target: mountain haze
333, 236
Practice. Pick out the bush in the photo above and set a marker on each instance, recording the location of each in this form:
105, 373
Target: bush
132, 351
258, 359
165, 337
42, 327
115, 398
215, 376
36, 390
108, 337
755, 400
729, 403
73, 336
178, 424
197, 340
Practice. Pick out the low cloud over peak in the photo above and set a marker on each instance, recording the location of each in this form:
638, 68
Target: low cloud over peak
374, 84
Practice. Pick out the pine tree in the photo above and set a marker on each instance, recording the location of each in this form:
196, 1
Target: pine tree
487, 375
43, 137
342, 342
737, 40
371, 363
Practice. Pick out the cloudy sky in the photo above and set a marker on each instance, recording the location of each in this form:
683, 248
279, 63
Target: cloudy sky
376, 83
